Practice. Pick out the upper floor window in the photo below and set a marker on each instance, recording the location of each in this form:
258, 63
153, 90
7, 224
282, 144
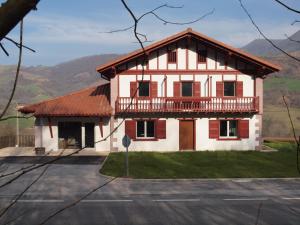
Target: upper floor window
228, 128
145, 129
172, 56
187, 89
144, 89
202, 55
229, 88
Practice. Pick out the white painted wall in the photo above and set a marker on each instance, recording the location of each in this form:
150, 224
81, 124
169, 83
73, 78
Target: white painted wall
203, 143
171, 143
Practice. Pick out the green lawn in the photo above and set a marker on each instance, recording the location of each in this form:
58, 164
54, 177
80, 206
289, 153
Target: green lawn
220, 164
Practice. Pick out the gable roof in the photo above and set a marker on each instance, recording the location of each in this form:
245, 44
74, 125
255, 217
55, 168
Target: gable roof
197, 35
92, 101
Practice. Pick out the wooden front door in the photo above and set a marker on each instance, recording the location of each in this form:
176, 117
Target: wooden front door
186, 135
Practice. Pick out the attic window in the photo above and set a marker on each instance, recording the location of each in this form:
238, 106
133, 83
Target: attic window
202, 55
172, 56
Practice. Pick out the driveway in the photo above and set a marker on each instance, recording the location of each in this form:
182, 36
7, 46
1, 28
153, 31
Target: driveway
126, 201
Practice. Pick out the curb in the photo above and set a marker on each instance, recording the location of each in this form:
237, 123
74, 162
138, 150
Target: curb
207, 179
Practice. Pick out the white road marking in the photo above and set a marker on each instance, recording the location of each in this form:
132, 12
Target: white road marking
245, 199
295, 198
107, 200
176, 200
41, 200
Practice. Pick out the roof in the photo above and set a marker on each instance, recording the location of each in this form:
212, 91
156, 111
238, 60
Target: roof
183, 34
92, 101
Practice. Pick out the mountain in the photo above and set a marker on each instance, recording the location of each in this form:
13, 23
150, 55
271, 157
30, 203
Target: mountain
262, 47
41, 82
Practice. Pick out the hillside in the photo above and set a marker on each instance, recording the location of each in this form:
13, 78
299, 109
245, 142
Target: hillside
39, 83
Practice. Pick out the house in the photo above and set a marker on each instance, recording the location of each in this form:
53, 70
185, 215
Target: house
185, 92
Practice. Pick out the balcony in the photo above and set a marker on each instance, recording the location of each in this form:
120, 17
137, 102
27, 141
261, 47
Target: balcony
187, 104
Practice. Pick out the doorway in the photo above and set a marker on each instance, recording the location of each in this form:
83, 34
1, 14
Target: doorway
90, 135
186, 135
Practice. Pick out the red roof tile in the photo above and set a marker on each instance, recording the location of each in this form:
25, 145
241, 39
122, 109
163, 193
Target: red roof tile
183, 34
92, 101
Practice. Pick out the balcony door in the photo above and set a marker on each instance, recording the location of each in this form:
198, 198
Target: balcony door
186, 135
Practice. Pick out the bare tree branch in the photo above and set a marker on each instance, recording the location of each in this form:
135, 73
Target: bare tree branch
288, 7
264, 36
18, 44
15, 117
17, 72
3, 49
294, 132
165, 22
294, 22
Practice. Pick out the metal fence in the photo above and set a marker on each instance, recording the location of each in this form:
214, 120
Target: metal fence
11, 141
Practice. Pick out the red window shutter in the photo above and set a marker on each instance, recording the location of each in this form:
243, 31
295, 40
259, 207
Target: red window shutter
219, 89
154, 89
130, 128
176, 89
161, 129
133, 89
239, 89
197, 89
214, 129
243, 128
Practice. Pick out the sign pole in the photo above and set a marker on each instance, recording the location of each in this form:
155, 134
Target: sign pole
126, 142
127, 166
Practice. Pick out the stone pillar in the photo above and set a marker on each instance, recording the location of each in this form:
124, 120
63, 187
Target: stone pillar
259, 116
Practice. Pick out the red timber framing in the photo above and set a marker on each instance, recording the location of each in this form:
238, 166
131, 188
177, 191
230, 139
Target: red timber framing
177, 40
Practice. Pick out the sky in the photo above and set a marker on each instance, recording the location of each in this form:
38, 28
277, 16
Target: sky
62, 30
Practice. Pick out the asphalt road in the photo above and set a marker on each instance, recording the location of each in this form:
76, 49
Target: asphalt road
125, 201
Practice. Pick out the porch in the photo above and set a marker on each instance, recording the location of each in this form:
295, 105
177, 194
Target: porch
187, 104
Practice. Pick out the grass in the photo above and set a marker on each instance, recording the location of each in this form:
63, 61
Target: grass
276, 122
220, 164
280, 82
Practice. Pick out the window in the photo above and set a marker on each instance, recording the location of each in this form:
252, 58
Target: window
172, 56
229, 88
187, 89
144, 90
145, 129
228, 128
202, 55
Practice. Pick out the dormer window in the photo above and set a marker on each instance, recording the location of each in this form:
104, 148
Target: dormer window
172, 56
202, 55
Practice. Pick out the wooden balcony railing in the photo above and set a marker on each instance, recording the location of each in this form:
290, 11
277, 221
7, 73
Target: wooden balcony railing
187, 104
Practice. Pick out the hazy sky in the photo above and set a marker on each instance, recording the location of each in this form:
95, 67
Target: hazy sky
61, 30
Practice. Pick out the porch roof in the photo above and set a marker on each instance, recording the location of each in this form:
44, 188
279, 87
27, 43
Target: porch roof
92, 101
